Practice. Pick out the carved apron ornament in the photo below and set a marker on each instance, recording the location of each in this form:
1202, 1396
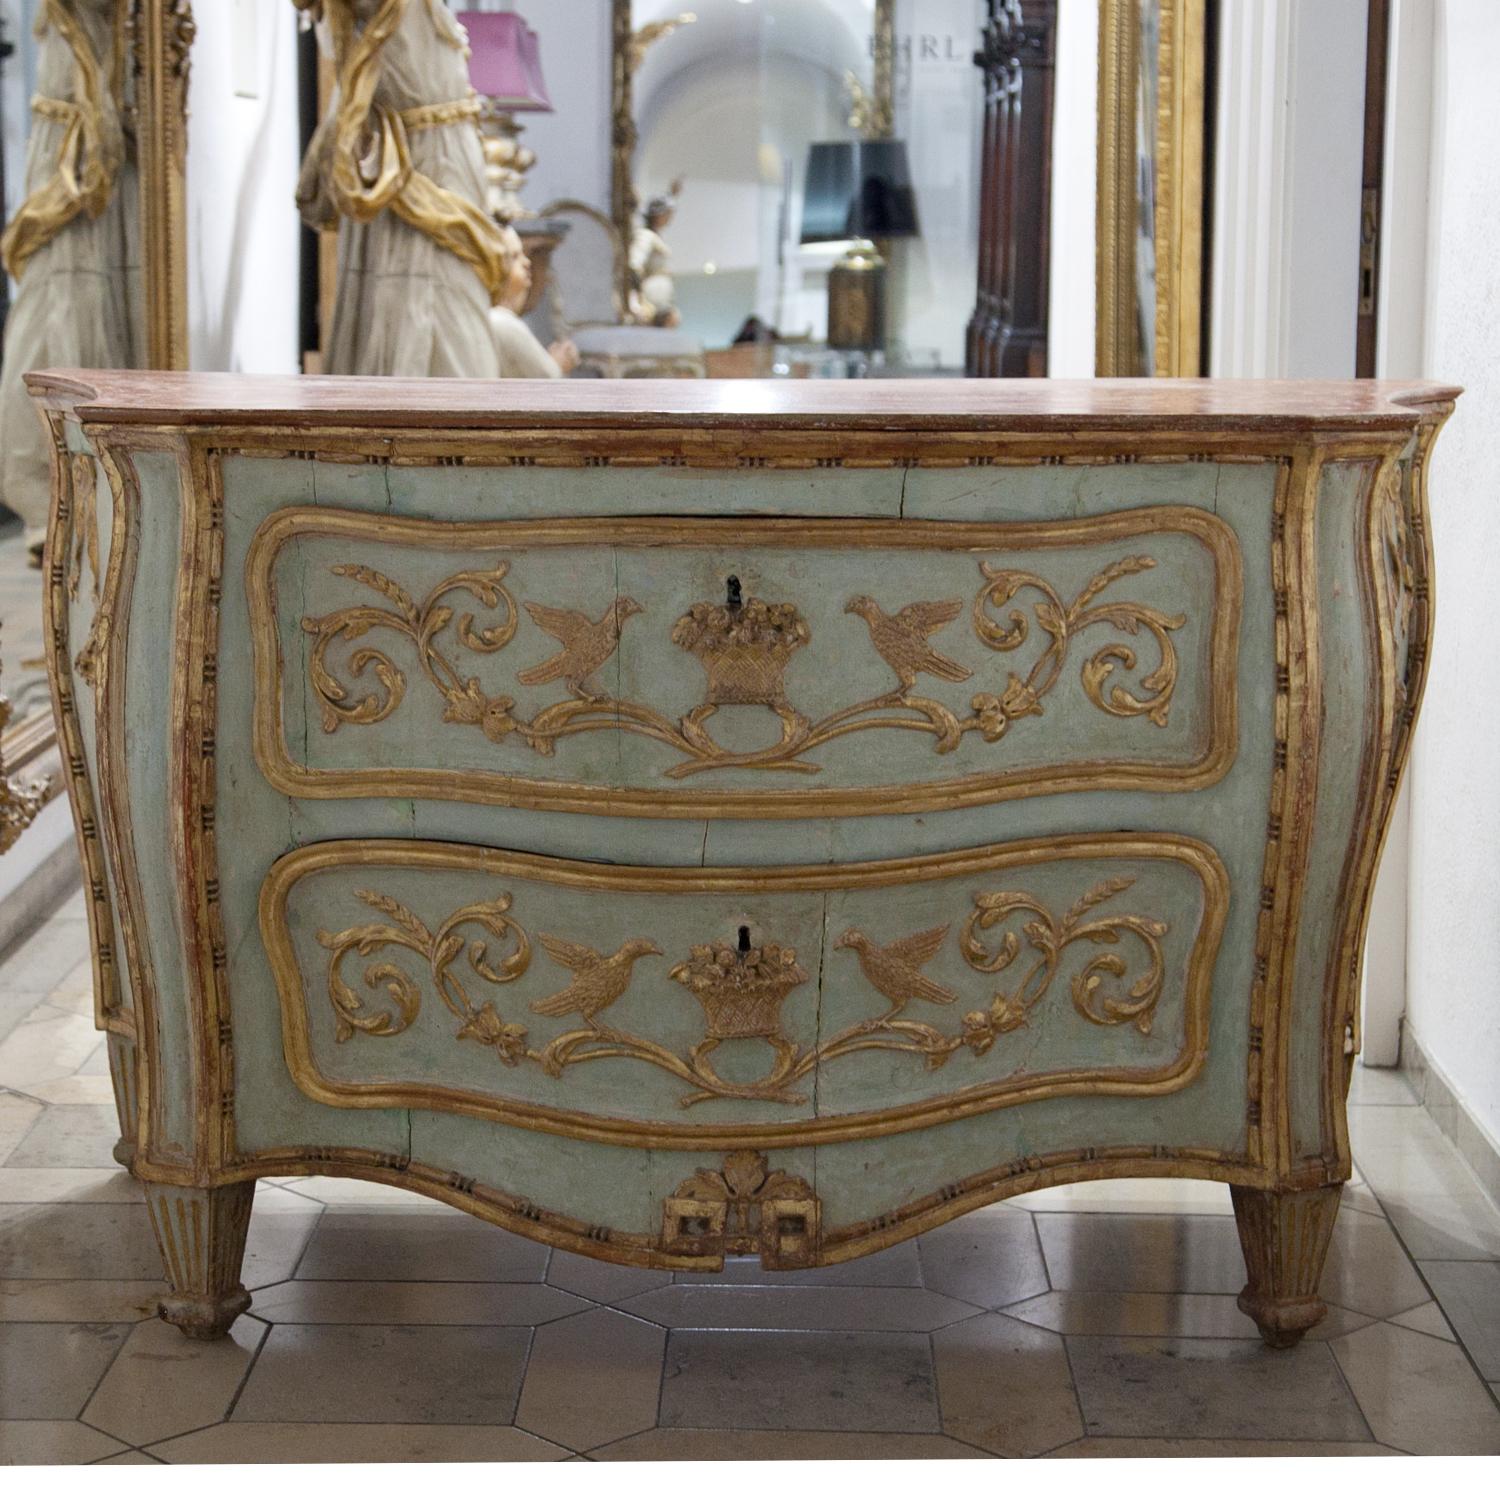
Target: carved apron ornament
745, 1208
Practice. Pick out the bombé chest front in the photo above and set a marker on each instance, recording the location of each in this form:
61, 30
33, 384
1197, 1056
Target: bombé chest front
836, 821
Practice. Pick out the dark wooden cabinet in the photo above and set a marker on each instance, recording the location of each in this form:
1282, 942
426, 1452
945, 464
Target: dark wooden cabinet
1007, 334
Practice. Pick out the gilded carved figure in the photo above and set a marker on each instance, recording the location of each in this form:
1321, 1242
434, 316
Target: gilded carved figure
74, 244
398, 166
653, 293
522, 354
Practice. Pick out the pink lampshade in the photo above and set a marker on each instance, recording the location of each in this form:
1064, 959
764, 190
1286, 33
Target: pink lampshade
505, 63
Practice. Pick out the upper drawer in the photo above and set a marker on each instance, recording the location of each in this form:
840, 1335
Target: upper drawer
742, 668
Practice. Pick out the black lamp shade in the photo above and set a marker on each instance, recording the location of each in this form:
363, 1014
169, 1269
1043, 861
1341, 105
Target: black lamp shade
858, 190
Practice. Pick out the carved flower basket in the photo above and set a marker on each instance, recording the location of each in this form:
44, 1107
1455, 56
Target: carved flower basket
741, 992
744, 650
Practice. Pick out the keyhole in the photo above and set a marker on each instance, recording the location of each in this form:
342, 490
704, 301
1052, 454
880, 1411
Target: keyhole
732, 599
744, 939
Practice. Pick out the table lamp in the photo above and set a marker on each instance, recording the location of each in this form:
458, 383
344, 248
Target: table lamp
505, 69
858, 191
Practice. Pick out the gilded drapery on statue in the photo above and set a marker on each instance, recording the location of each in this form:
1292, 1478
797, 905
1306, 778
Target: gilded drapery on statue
399, 166
74, 244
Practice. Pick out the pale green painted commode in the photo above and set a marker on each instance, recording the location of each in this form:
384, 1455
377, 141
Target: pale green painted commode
677, 820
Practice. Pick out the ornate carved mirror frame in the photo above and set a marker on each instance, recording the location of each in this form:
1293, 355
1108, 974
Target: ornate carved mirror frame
163, 37
164, 31
1177, 157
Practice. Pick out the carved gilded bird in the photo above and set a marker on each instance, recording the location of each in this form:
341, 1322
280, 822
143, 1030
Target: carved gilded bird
587, 644
893, 968
901, 638
600, 982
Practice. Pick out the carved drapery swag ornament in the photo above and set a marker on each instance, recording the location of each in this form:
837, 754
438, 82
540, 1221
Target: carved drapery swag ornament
360, 162
93, 143
743, 987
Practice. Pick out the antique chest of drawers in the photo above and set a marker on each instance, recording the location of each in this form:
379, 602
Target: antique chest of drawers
687, 819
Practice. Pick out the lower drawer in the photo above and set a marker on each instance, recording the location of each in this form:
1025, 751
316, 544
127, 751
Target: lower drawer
744, 1008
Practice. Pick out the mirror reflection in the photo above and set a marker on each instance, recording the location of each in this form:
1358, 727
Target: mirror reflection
71, 246
730, 109
607, 187
793, 189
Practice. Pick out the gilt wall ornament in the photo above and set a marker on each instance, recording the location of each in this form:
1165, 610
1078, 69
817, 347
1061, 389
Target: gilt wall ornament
744, 646
741, 987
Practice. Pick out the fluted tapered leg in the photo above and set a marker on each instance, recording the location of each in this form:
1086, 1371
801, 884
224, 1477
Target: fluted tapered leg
201, 1232
1285, 1237
122, 1057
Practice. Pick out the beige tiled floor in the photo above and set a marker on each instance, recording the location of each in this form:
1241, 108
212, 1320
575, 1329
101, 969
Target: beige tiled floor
1084, 1321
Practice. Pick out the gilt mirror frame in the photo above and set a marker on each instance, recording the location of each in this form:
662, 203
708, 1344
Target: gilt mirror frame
160, 37
1177, 152
164, 31
161, 33
163, 39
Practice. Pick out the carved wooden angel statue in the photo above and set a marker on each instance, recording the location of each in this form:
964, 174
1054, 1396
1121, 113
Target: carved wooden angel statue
654, 297
73, 245
398, 165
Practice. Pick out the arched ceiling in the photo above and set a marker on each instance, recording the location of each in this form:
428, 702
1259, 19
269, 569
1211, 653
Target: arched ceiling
832, 33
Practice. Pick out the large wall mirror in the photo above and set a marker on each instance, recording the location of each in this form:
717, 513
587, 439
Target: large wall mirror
1067, 164
734, 187
720, 109
1150, 220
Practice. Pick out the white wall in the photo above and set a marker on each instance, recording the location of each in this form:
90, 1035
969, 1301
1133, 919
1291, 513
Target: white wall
1075, 164
242, 167
1286, 203
1454, 964
572, 143
1326, 132
1400, 354
940, 115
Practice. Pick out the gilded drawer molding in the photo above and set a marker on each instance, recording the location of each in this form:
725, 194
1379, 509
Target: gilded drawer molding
399, 661
1130, 929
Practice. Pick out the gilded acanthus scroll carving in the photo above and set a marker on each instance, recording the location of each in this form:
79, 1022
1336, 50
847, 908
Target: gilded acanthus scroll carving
744, 646
742, 986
